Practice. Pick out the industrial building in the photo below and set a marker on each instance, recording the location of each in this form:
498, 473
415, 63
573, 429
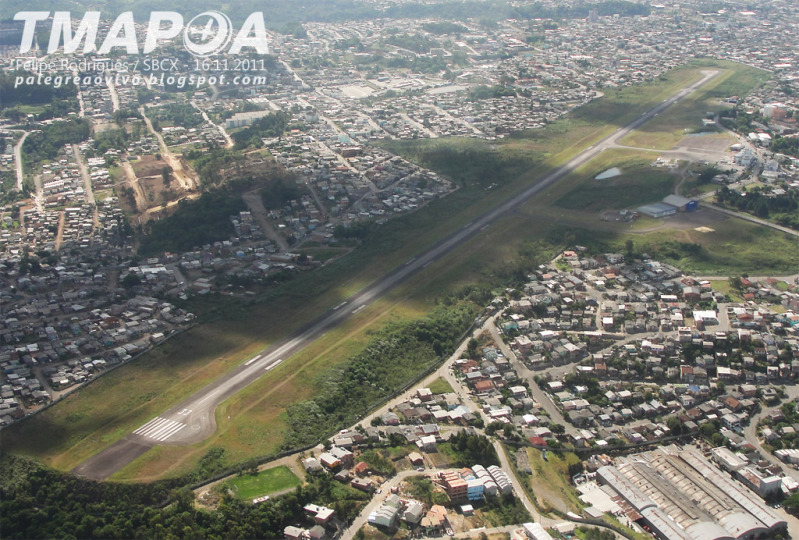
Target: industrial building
534, 531
679, 495
670, 205
682, 204
657, 210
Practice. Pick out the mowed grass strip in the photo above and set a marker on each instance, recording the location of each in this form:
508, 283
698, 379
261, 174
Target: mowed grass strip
639, 183
266, 482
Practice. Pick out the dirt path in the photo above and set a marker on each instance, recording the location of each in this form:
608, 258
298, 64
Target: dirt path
181, 175
39, 197
84, 172
59, 237
133, 183
318, 201
18, 160
256, 206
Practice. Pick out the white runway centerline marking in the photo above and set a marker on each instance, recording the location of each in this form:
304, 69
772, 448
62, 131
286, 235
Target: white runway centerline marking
253, 359
159, 429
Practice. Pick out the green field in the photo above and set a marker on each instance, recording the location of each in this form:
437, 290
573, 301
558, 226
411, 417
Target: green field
440, 386
253, 423
266, 482
639, 183
550, 481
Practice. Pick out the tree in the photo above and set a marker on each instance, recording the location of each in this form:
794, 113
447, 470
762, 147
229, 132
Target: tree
674, 424
762, 210
791, 504
166, 175
557, 429
629, 246
472, 348
131, 280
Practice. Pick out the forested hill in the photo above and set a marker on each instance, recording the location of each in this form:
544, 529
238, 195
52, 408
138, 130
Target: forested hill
36, 502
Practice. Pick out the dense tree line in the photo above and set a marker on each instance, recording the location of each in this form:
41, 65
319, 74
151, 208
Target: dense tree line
352, 42
30, 94
282, 15
739, 121
445, 27
579, 10
36, 502
210, 163
416, 43
194, 223
177, 114
111, 139
391, 359
357, 230
781, 208
270, 126
45, 145
473, 449
786, 145
279, 192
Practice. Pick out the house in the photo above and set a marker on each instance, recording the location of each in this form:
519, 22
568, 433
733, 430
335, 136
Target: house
483, 386
413, 513
321, 514
424, 394
293, 533
329, 460
361, 469
534, 531
427, 443
311, 465
385, 516
344, 456
435, 519
363, 484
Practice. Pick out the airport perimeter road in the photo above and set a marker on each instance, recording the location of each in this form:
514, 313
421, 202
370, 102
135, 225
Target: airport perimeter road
192, 420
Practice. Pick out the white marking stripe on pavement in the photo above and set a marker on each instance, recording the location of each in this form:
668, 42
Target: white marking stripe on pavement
159, 428
152, 425
251, 360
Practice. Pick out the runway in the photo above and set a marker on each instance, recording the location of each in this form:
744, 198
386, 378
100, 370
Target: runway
192, 420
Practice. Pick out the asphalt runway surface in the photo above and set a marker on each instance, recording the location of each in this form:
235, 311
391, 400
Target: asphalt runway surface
192, 420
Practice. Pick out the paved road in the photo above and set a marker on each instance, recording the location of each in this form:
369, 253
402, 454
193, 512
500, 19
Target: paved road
220, 127
377, 501
750, 218
192, 420
539, 396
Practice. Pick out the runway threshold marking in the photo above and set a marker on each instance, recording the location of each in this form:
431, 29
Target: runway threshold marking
159, 429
